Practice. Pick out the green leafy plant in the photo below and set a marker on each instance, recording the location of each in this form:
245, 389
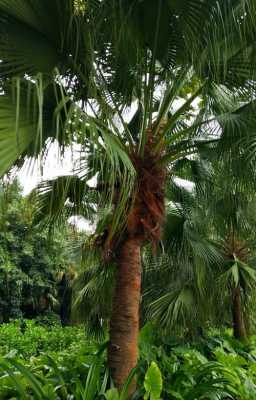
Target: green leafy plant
213, 367
153, 383
36, 339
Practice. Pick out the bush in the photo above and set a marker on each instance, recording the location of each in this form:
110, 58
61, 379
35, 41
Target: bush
35, 338
213, 367
65, 366
50, 319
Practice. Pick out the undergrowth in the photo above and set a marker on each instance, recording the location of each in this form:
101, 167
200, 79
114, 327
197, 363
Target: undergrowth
60, 363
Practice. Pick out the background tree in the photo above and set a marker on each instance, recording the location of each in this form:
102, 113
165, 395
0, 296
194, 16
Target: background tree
231, 212
206, 275
30, 259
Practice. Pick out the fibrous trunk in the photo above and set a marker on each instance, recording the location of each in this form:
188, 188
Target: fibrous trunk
144, 224
124, 324
238, 316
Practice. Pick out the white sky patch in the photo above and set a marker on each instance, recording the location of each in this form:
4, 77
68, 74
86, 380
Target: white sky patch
82, 224
54, 165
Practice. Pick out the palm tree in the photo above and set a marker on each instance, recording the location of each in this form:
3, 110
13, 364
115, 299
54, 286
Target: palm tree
180, 283
72, 72
231, 212
208, 273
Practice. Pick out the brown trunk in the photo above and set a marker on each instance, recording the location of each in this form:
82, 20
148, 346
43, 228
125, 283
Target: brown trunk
143, 225
124, 323
238, 316
247, 324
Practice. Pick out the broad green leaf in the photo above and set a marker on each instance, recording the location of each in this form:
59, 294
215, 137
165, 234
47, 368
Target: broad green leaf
176, 395
112, 394
153, 382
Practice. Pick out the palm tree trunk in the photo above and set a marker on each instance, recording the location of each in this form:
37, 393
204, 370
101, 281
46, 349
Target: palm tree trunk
238, 316
124, 323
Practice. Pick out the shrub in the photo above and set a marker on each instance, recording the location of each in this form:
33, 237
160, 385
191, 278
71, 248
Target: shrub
35, 338
66, 366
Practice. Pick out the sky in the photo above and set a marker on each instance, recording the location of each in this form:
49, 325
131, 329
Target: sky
55, 165
31, 175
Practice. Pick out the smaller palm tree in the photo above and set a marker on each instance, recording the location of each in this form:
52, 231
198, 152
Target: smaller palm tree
207, 273
179, 283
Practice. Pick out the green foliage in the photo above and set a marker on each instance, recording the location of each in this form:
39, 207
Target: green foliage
112, 394
29, 258
153, 382
72, 368
36, 339
50, 378
76, 59
48, 320
209, 250
214, 367
100, 56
